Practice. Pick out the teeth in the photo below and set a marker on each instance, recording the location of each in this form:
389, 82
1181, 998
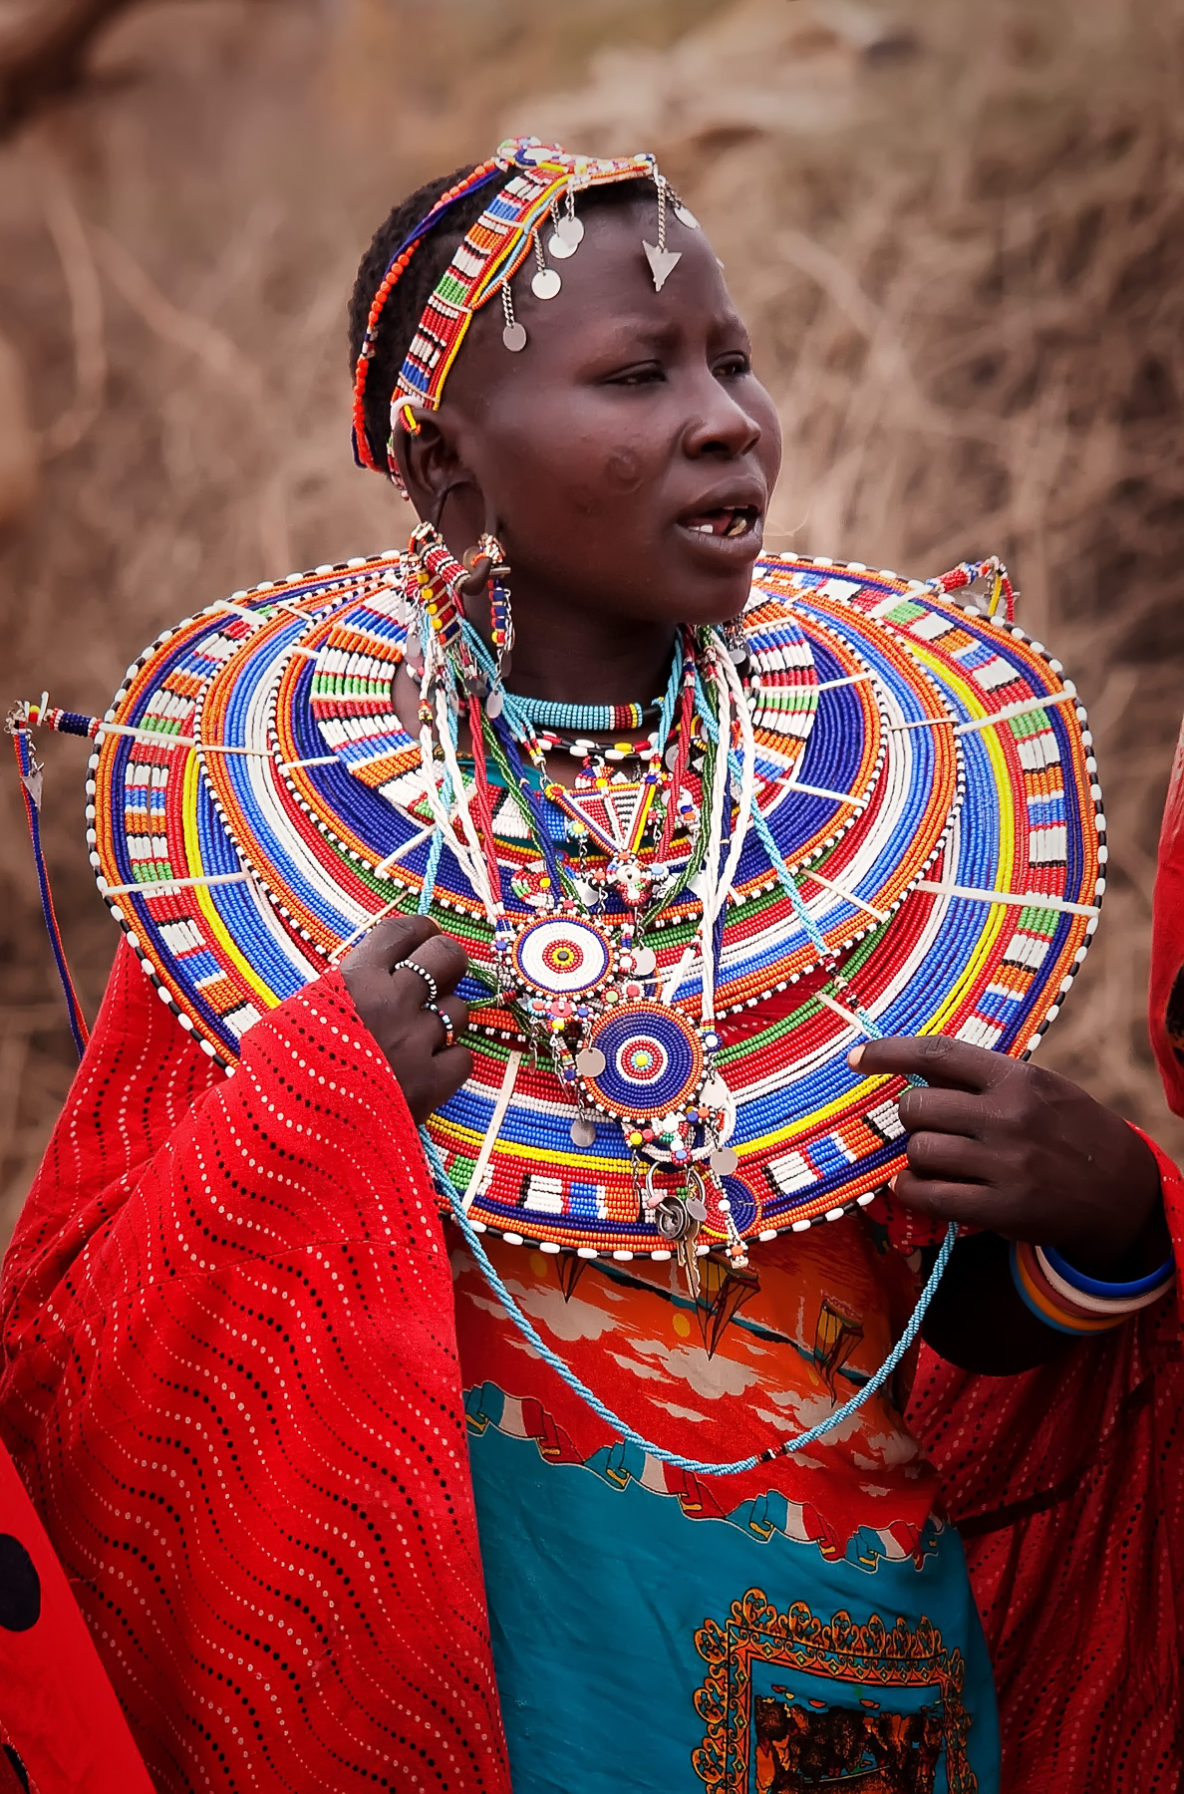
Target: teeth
739, 524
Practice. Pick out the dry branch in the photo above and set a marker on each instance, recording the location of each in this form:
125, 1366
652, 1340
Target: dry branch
65, 226
43, 53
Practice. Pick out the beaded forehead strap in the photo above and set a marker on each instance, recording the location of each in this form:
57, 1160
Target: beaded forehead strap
542, 184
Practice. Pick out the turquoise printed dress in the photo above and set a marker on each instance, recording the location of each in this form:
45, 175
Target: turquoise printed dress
805, 1626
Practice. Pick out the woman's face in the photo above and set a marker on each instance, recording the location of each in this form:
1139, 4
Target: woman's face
628, 453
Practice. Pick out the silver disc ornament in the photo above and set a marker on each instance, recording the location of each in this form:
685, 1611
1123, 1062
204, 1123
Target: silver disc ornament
566, 238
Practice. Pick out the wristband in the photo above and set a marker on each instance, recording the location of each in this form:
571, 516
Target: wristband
1070, 1302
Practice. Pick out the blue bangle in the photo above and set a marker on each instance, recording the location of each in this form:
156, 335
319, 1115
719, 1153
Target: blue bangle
1093, 1286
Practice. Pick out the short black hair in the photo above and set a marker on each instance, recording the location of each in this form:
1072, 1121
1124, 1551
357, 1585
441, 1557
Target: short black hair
404, 308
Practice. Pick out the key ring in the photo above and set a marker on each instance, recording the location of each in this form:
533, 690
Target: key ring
445, 1021
413, 965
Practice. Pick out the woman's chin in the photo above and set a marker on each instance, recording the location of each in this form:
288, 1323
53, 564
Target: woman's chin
711, 593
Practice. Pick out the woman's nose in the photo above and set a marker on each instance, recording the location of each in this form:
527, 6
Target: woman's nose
719, 424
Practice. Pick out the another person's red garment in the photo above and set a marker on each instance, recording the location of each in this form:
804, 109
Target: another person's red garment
61, 1730
1167, 943
1068, 1488
231, 1384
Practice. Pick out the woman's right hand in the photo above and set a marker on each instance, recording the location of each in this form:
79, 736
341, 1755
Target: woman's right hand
390, 997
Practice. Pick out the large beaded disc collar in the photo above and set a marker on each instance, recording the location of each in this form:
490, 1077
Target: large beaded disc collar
923, 774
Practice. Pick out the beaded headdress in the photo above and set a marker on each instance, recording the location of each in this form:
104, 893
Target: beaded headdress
530, 184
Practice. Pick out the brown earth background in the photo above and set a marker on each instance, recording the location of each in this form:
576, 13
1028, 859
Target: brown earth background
957, 229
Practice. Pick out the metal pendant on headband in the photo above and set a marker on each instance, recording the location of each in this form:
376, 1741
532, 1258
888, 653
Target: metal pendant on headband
545, 282
662, 261
513, 333
568, 232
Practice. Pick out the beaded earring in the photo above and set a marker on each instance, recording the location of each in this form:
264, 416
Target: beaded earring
501, 619
402, 418
433, 578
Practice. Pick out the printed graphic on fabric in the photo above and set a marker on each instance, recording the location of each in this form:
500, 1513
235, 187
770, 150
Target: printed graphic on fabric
793, 1703
756, 1353
800, 1747
837, 1333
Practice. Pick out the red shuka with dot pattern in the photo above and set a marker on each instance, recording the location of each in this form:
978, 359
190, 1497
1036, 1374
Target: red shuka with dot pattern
231, 1385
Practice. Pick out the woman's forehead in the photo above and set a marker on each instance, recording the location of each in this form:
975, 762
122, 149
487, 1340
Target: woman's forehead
607, 296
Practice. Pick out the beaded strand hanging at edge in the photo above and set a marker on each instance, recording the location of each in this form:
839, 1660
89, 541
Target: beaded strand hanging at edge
68, 722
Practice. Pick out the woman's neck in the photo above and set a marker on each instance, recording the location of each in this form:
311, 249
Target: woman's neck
576, 658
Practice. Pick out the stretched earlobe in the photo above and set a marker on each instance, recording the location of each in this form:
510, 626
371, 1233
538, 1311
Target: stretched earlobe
426, 456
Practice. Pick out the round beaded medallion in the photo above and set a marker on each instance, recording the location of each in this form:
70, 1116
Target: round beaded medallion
652, 1061
923, 771
566, 957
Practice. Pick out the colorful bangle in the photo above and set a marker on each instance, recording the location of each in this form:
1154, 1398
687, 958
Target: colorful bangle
1069, 1301
1083, 1288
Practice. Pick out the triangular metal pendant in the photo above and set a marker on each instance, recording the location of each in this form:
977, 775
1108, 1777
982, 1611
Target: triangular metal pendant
662, 263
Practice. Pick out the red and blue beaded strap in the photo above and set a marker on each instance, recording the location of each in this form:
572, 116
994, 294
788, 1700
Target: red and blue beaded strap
395, 269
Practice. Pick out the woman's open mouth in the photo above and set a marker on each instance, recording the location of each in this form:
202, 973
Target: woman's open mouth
730, 522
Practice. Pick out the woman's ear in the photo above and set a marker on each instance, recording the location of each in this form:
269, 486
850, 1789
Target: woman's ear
428, 460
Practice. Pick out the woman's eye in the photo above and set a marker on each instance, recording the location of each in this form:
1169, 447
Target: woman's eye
638, 376
732, 367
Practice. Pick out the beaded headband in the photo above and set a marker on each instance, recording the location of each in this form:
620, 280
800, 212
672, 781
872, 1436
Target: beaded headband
543, 178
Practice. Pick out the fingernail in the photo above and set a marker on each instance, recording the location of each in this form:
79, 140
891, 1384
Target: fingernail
854, 1057
892, 1183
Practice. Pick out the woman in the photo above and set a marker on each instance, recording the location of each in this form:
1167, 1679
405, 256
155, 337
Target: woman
694, 1543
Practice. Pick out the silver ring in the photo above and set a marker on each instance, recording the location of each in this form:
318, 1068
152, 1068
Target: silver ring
445, 1021
413, 965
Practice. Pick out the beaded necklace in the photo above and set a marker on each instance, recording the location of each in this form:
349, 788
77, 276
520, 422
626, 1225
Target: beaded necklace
922, 850
581, 988
600, 719
922, 827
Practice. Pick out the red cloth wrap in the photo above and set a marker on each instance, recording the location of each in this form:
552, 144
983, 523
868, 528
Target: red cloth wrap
231, 1386
61, 1730
1067, 1485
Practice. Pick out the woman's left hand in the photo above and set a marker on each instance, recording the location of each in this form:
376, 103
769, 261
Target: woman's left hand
1000, 1145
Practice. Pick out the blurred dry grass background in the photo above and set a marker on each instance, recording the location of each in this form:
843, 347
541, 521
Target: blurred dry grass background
956, 228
